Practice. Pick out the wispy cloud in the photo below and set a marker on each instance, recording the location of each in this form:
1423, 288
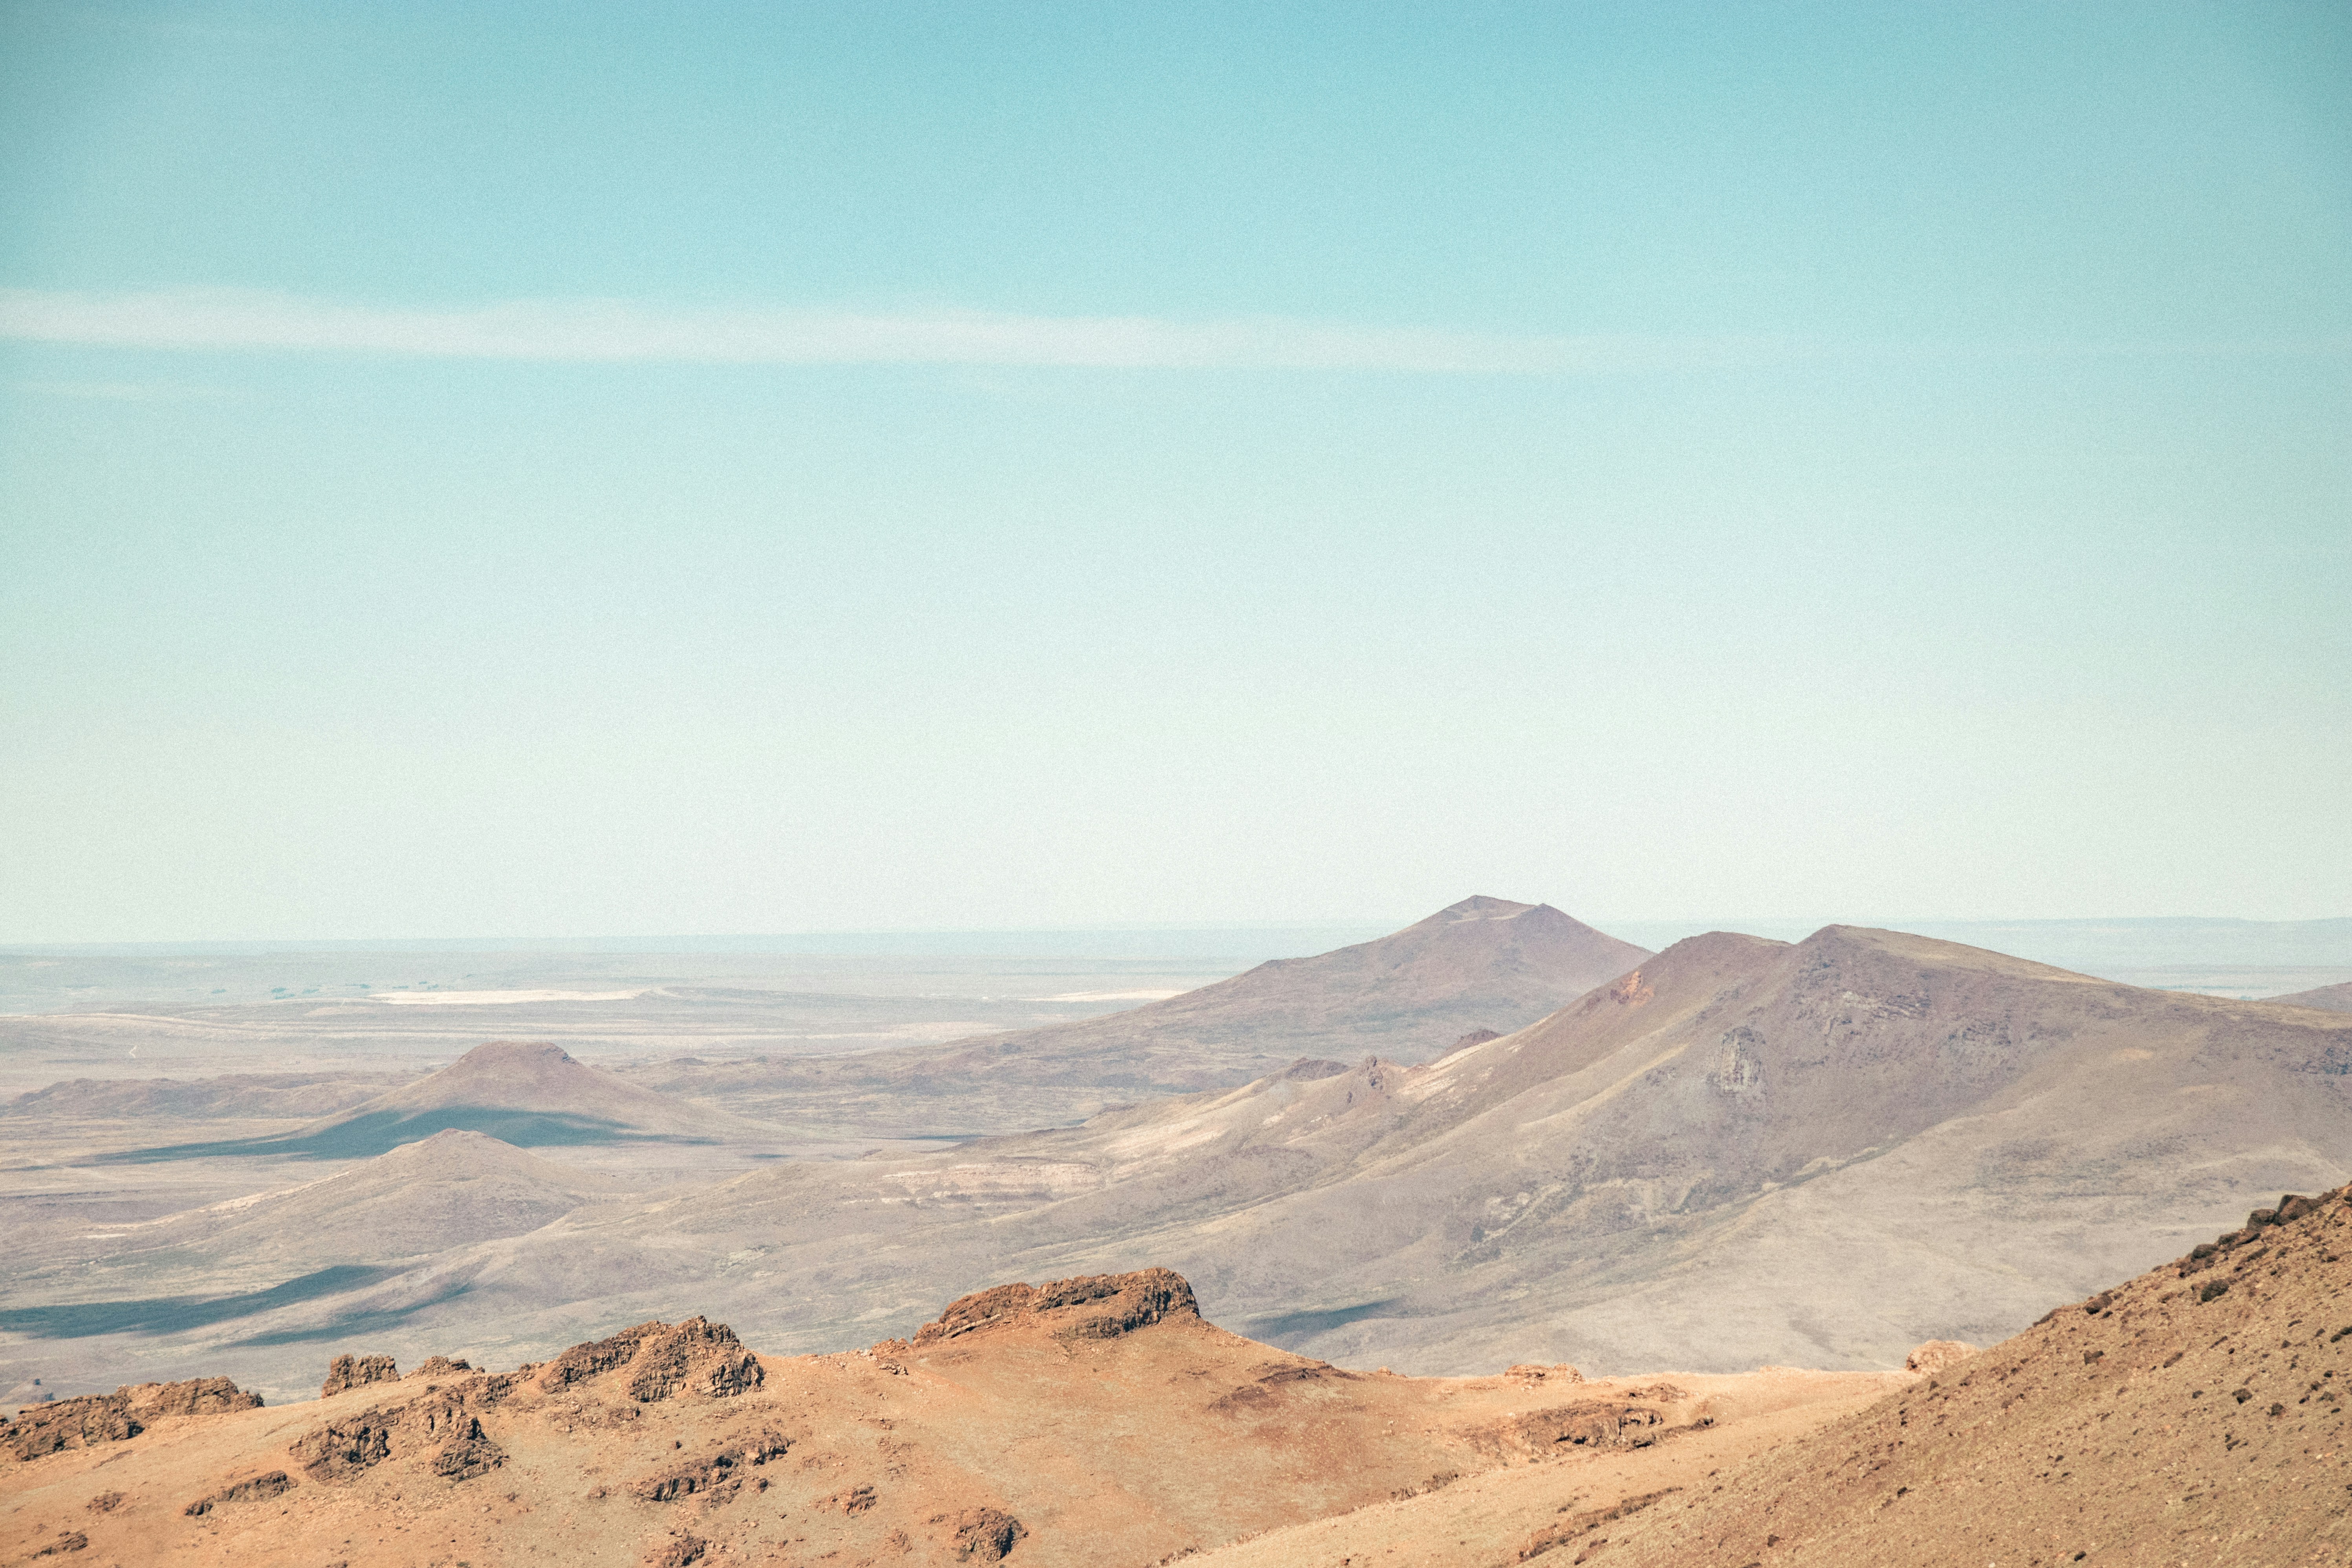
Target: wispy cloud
594, 331
125, 391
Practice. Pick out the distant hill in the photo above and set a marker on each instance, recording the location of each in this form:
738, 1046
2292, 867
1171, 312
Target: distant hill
518, 1092
2327, 999
287, 1095
1484, 963
228, 1261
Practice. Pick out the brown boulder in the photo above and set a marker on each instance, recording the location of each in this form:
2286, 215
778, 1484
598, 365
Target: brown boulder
1937, 1354
982, 1534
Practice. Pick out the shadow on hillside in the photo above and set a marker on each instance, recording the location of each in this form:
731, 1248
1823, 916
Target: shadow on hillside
172, 1314
1282, 1326
382, 1131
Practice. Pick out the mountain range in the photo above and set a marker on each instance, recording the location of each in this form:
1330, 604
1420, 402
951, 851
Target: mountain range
1738, 1152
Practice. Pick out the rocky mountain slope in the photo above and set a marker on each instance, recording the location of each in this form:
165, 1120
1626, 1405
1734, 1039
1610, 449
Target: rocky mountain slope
1091, 1421
2189, 1417
1484, 963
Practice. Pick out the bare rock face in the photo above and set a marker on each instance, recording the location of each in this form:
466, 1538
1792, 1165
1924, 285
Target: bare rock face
442, 1424
1937, 1354
697, 1355
442, 1366
1532, 1375
96, 1418
196, 1396
1092, 1307
349, 1372
82, 1423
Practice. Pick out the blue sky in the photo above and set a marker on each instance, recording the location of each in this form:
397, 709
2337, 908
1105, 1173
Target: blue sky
590, 470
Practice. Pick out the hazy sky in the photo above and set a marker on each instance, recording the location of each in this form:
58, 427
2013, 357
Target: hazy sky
585, 469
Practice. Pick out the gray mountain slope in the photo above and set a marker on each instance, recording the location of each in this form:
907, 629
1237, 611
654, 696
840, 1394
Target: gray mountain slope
1747, 1151
2327, 999
1482, 963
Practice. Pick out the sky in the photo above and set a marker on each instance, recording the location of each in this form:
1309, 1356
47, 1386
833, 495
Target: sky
583, 471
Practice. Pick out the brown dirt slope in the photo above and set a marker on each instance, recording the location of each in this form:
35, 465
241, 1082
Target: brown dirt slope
1094, 1421
2192, 1415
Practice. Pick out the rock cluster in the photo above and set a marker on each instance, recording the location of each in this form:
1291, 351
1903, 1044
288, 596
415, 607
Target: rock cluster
97, 1418
2206, 1254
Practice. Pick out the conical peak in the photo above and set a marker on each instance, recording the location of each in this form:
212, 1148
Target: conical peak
1480, 907
508, 1054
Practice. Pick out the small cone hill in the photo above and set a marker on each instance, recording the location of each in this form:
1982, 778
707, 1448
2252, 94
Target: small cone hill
2191, 1416
523, 1093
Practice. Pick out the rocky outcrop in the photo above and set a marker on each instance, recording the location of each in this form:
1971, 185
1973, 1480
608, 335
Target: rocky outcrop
440, 1425
722, 1472
2291, 1207
1587, 1424
196, 1396
662, 1358
82, 1423
113, 1417
1937, 1354
1092, 1307
982, 1534
357, 1371
254, 1489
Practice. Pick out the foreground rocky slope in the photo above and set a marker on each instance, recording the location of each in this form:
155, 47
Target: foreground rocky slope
1094, 1421
2193, 1414
2189, 1417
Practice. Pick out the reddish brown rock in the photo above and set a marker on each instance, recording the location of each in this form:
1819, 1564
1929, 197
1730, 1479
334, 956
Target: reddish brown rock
357, 1371
253, 1489
1092, 1307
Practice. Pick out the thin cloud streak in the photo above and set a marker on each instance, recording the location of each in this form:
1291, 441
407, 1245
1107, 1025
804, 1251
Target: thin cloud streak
611, 332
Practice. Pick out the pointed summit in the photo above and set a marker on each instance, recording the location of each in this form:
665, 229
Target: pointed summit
1484, 963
